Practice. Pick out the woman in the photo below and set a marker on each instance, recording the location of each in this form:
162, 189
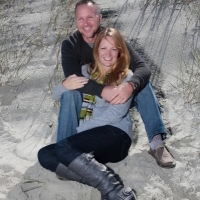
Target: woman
104, 129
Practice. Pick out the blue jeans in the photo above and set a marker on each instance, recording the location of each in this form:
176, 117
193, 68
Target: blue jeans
145, 102
149, 109
68, 119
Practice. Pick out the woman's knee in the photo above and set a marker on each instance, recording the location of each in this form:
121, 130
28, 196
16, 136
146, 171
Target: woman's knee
41, 156
47, 158
71, 95
65, 153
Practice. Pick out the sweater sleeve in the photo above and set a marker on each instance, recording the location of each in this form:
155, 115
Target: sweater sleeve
58, 90
140, 69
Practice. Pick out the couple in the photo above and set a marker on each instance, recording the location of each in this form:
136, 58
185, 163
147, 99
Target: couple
108, 133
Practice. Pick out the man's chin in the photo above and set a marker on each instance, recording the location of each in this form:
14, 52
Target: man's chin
89, 37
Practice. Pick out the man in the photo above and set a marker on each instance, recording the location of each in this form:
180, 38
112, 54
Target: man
76, 51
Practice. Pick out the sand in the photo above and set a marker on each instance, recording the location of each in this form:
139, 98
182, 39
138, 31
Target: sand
32, 32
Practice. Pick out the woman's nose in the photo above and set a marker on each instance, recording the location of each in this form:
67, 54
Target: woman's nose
108, 53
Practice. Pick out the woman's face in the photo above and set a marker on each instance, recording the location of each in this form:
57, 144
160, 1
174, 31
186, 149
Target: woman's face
108, 53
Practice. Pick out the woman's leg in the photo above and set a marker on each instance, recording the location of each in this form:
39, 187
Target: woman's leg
68, 119
101, 140
48, 160
108, 144
100, 177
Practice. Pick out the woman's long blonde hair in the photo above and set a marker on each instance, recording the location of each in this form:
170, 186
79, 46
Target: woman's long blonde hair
120, 69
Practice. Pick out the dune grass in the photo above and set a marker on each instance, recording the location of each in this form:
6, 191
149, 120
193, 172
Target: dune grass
20, 43
188, 80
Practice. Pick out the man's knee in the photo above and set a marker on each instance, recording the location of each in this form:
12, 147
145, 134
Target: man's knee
146, 92
147, 88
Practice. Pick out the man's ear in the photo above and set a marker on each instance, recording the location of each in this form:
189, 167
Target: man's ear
100, 17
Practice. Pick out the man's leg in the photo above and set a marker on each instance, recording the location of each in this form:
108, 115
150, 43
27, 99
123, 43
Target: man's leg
68, 120
148, 107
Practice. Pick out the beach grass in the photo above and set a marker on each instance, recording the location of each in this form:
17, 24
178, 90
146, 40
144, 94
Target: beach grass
188, 82
188, 78
19, 45
20, 42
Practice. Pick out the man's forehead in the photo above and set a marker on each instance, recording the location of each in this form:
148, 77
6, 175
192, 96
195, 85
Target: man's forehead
85, 12
86, 7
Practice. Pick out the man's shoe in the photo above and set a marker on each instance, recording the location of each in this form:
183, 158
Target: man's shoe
163, 157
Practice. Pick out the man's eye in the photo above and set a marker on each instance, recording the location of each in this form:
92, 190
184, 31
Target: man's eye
90, 17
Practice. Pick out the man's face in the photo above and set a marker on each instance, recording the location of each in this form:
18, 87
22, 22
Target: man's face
87, 21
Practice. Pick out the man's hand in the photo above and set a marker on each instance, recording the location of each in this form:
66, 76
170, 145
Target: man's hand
109, 93
74, 82
119, 94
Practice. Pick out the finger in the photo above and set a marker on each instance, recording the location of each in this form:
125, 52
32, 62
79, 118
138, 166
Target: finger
80, 79
112, 97
123, 100
73, 75
82, 82
116, 100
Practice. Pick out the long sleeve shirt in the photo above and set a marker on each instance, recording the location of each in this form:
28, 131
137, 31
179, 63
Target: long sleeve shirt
75, 52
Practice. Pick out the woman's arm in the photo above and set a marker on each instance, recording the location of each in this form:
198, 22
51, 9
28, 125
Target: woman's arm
73, 82
58, 91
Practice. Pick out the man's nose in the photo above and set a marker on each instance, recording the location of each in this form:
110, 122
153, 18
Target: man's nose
85, 21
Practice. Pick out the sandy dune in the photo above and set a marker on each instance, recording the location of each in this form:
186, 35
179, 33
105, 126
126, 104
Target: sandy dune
32, 32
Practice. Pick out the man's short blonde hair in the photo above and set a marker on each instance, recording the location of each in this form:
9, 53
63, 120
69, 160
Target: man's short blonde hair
88, 2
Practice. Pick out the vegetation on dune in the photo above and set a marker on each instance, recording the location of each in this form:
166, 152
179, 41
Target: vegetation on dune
21, 41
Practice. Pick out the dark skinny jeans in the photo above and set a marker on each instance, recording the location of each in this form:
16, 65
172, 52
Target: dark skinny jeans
107, 143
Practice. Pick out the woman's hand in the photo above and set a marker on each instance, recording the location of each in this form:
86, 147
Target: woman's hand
74, 82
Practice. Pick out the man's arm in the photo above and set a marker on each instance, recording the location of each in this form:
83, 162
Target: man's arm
72, 59
141, 71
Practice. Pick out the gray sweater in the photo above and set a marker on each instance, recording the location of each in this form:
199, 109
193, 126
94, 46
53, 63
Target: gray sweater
103, 112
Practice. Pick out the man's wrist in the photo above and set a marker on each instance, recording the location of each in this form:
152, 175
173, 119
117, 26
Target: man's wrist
133, 85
